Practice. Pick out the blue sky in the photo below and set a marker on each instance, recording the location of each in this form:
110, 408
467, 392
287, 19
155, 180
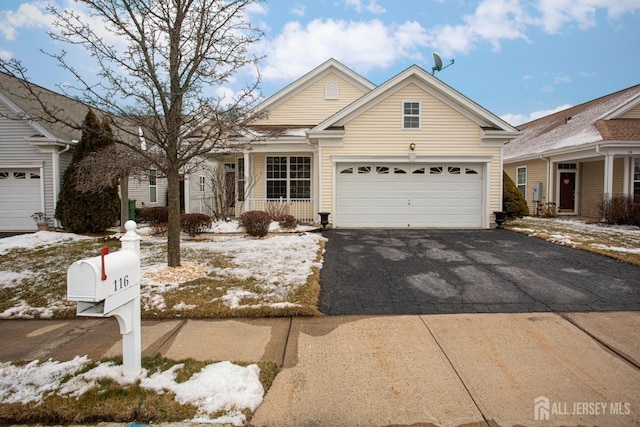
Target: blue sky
519, 59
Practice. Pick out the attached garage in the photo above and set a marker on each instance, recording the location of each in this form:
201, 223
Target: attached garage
446, 195
20, 196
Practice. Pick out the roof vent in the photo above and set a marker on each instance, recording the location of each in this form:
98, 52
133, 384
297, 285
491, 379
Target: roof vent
331, 90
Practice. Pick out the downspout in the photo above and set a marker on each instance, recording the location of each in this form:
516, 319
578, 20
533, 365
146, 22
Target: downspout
56, 183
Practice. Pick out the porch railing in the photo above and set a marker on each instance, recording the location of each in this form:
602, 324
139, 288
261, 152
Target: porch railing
301, 209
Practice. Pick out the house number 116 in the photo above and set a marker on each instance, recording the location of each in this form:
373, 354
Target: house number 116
120, 283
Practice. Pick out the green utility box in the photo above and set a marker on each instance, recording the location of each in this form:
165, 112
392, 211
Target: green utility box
132, 209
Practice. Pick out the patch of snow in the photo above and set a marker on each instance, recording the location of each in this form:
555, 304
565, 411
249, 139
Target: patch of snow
34, 381
221, 386
37, 240
183, 306
23, 310
616, 248
12, 279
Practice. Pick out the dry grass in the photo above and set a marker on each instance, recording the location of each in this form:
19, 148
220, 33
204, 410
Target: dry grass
40, 291
111, 402
622, 244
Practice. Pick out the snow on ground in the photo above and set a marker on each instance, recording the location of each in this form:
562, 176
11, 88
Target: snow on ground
37, 240
221, 386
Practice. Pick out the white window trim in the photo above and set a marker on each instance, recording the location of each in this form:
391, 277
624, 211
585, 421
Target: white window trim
419, 114
154, 186
202, 183
288, 177
526, 177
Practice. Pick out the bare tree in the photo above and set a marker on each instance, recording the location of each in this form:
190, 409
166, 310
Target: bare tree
224, 194
165, 56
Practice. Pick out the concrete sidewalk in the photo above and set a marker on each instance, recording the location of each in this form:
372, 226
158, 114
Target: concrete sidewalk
465, 369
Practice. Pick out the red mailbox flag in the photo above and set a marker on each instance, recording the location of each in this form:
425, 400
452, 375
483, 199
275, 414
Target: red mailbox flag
104, 251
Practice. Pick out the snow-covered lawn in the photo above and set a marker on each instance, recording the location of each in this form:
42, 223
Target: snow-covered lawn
620, 242
220, 392
224, 274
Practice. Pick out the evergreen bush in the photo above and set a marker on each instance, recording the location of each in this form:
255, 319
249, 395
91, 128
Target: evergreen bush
514, 203
92, 211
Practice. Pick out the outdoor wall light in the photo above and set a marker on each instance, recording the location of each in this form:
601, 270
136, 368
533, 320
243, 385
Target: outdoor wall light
412, 146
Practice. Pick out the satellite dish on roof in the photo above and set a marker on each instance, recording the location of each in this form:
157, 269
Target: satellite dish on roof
438, 64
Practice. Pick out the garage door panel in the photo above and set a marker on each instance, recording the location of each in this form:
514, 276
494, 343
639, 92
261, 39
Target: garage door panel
443, 196
20, 197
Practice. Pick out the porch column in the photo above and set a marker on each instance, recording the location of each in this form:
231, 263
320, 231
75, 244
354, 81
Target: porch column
608, 175
626, 182
248, 187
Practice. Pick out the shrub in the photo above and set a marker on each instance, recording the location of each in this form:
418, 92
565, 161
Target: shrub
195, 223
157, 217
277, 210
547, 210
620, 210
255, 223
514, 203
288, 222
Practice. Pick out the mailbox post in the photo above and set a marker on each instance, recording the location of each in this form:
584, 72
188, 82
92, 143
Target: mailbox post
109, 286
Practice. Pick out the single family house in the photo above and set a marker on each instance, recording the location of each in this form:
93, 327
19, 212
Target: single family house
411, 152
574, 158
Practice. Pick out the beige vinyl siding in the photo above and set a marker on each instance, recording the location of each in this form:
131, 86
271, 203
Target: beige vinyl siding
633, 113
378, 132
139, 191
536, 172
309, 107
591, 188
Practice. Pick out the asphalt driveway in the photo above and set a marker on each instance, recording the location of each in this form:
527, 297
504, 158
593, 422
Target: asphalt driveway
369, 272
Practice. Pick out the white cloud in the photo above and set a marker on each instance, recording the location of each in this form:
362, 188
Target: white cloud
298, 10
363, 46
518, 119
372, 6
557, 13
27, 16
526, 77
562, 79
547, 89
5, 54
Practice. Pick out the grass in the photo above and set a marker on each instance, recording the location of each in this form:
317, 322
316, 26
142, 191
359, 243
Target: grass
38, 289
112, 402
605, 240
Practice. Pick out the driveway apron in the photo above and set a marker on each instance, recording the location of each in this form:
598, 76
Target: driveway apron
372, 272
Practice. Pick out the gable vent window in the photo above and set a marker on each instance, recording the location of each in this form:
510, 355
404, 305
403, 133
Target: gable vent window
331, 90
411, 115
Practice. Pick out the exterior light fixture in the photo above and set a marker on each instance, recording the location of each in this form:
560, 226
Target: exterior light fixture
412, 146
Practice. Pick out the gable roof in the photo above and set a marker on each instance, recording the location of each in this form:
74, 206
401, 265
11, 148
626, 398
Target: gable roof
26, 107
329, 66
576, 127
494, 127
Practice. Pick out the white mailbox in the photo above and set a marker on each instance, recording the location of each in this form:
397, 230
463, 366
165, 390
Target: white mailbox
109, 286
111, 280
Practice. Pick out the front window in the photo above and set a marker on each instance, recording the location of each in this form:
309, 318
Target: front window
636, 179
521, 180
289, 177
410, 115
241, 180
153, 186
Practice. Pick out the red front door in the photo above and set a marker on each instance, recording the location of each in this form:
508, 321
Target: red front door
567, 192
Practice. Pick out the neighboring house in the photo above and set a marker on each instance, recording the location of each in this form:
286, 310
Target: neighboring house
412, 152
33, 155
575, 157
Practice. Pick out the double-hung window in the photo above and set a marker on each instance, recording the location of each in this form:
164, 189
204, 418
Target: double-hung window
288, 177
153, 186
521, 180
411, 115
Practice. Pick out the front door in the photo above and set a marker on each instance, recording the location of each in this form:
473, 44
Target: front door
567, 192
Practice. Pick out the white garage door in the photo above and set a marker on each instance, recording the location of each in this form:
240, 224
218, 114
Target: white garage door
20, 197
411, 195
